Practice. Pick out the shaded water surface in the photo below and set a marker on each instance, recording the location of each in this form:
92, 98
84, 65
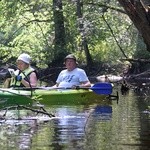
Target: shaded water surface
122, 126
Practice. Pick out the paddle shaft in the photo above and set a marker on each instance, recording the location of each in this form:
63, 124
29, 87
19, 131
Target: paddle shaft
98, 88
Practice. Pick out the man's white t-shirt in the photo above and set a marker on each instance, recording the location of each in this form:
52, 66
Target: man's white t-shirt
69, 78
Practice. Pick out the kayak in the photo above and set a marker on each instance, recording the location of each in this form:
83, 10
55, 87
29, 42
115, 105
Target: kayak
45, 96
51, 97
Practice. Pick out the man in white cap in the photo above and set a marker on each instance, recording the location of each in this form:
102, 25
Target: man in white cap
24, 76
72, 76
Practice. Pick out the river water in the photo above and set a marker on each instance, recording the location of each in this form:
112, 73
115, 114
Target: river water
117, 126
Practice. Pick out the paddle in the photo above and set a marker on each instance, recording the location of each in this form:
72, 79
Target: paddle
99, 88
102, 88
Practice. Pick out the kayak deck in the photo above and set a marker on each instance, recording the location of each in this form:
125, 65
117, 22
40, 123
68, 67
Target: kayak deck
67, 97
49, 97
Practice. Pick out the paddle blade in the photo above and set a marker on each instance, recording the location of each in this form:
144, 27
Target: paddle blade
102, 88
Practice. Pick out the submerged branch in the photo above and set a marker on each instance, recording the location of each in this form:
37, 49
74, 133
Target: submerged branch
43, 111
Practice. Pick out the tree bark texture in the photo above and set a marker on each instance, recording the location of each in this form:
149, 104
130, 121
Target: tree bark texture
139, 13
60, 42
82, 33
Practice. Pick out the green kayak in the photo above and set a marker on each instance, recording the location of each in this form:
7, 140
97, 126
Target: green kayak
52, 97
95, 94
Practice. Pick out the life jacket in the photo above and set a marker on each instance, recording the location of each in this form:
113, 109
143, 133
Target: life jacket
24, 74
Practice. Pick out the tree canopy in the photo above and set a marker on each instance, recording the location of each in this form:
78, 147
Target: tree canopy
93, 30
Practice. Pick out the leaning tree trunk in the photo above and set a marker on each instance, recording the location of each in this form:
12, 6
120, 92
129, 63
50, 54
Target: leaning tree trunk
139, 13
82, 33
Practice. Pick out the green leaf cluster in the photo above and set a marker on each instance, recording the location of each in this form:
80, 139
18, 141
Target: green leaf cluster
28, 26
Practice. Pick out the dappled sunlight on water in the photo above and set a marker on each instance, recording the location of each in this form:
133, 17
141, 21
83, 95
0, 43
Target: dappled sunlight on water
122, 126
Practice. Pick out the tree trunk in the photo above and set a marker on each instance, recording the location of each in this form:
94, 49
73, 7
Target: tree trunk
139, 13
82, 33
60, 43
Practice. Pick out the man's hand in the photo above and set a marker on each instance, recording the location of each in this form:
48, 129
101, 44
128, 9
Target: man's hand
77, 87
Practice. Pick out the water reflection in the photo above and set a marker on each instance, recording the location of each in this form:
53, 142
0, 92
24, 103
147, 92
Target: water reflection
71, 125
13, 136
96, 127
102, 113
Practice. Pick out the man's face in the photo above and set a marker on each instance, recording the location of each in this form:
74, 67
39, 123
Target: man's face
70, 64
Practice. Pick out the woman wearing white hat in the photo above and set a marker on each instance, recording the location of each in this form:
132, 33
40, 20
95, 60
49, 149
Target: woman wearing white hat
24, 76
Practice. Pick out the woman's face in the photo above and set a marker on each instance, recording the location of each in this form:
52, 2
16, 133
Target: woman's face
22, 65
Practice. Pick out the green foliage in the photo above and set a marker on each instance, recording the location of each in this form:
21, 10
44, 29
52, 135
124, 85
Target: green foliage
26, 31
102, 43
28, 26
141, 49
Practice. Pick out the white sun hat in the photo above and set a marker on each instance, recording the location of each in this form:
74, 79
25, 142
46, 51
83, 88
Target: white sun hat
25, 58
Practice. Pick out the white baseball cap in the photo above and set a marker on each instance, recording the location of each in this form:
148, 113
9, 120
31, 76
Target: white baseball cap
25, 58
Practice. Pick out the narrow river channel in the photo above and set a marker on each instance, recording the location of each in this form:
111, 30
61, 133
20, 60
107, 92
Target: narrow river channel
115, 126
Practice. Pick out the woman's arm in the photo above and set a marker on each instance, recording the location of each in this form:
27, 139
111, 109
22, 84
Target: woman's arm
7, 83
33, 80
